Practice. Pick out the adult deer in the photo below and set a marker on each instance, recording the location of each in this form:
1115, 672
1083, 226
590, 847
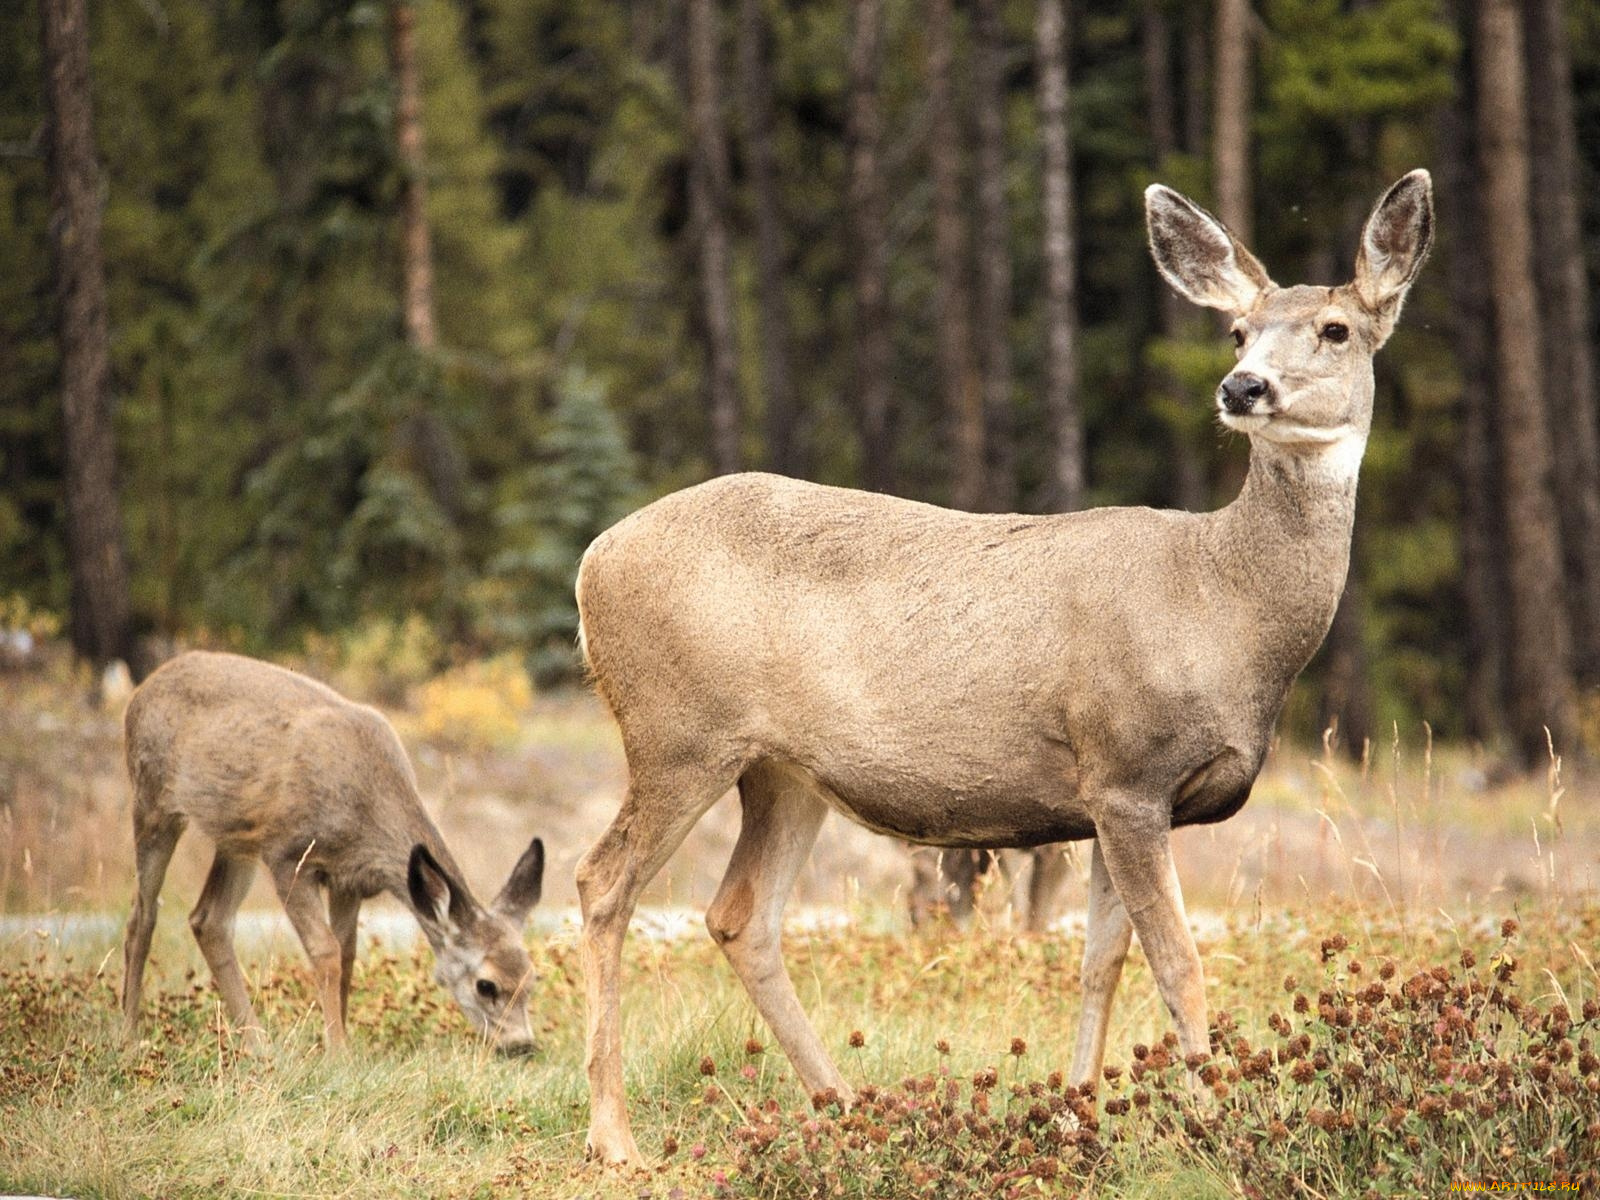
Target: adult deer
274, 766
961, 680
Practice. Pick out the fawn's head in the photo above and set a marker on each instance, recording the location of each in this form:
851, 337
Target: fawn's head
479, 955
1304, 375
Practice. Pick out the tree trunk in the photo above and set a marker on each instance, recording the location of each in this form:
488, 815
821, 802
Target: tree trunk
756, 88
416, 247
994, 252
1564, 305
958, 378
1155, 57
436, 454
1188, 417
708, 207
1541, 673
1347, 693
1196, 62
96, 562
869, 236
1483, 582
1231, 144
1066, 481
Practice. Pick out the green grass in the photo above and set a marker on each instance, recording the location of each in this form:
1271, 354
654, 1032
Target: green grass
416, 1108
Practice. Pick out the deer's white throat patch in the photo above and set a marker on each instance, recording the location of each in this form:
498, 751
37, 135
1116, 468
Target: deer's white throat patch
1336, 451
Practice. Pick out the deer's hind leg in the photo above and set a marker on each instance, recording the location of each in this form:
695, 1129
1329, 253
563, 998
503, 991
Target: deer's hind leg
154, 839
782, 813
213, 922
661, 806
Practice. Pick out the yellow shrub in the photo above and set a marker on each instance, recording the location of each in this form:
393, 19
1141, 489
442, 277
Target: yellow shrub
476, 706
18, 616
378, 660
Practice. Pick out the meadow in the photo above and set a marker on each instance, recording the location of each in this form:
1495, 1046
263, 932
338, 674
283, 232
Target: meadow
1400, 960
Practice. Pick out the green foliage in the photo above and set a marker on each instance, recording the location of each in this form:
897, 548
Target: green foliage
290, 464
581, 482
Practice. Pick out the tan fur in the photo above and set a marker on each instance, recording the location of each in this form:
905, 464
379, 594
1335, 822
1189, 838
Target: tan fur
276, 767
962, 679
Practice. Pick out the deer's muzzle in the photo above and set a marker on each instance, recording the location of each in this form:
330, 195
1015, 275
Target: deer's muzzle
1240, 391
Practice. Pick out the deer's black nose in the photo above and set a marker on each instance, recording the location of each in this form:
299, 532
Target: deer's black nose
1240, 391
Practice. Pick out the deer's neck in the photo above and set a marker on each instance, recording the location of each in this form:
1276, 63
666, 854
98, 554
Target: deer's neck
1283, 546
390, 868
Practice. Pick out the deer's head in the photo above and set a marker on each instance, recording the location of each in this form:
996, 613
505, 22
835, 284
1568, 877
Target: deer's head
479, 955
1304, 375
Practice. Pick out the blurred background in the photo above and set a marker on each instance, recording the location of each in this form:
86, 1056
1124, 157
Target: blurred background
327, 323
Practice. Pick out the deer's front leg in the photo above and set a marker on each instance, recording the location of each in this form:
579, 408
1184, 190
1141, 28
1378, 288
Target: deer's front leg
1135, 839
302, 902
1104, 949
344, 913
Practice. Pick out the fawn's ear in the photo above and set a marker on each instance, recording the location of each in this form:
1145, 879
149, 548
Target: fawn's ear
440, 900
1394, 243
1197, 255
524, 887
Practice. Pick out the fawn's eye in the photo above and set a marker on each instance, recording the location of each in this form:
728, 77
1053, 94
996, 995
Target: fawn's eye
488, 989
1238, 337
1336, 332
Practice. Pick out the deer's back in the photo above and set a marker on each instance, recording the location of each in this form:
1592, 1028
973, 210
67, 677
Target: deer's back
911, 657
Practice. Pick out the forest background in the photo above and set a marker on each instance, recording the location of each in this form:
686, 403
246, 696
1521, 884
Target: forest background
334, 320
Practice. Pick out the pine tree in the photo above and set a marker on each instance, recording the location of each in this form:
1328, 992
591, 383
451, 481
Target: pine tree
100, 623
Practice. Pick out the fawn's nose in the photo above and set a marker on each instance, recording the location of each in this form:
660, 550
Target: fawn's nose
518, 1048
1240, 391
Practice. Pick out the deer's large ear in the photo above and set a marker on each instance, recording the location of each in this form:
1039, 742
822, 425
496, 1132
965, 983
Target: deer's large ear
441, 901
524, 887
1394, 243
1197, 255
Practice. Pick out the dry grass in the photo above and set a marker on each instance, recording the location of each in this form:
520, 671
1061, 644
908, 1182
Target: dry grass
1473, 1057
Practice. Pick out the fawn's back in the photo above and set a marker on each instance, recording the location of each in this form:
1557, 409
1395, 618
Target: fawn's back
265, 761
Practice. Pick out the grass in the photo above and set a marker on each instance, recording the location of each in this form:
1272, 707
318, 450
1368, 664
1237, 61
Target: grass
1349, 1058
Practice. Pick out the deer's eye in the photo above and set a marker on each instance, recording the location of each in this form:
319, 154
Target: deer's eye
488, 989
1238, 337
1336, 332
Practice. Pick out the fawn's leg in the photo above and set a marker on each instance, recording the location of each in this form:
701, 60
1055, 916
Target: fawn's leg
1046, 883
212, 921
344, 912
154, 842
304, 906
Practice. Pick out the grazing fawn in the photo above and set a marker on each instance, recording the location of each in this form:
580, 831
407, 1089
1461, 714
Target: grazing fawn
276, 767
